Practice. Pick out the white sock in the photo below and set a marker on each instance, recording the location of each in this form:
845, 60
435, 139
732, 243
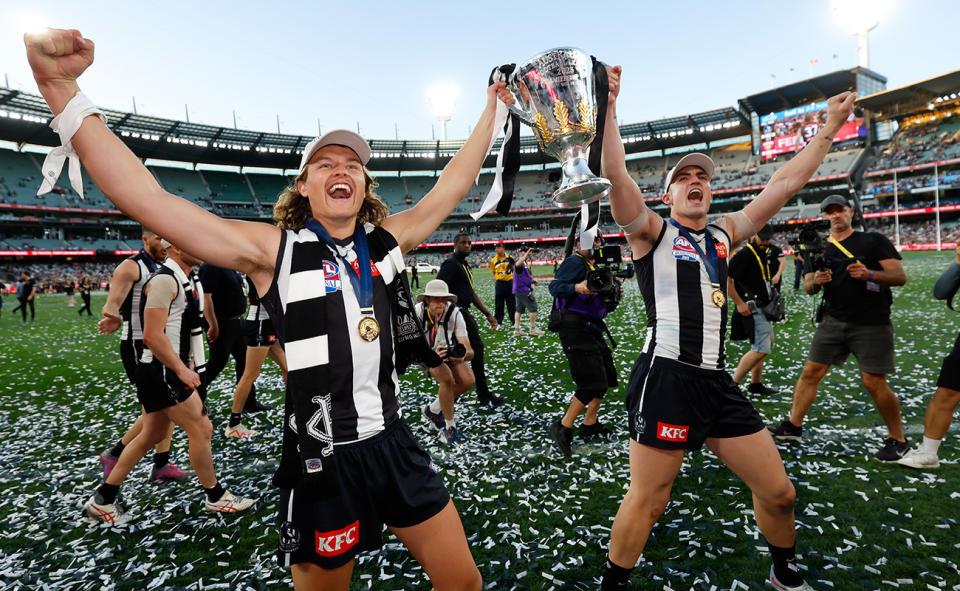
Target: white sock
930, 445
451, 423
435, 406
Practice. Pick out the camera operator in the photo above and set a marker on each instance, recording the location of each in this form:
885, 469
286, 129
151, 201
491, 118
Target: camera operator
446, 332
577, 317
858, 269
751, 286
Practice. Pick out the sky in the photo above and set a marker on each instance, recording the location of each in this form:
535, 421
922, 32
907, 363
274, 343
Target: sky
322, 65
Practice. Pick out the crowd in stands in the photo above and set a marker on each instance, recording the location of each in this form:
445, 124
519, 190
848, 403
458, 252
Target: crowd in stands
54, 277
920, 140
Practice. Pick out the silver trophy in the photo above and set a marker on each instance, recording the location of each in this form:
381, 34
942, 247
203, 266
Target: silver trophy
555, 96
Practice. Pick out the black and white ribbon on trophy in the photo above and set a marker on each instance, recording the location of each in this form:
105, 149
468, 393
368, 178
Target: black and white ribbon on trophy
501, 193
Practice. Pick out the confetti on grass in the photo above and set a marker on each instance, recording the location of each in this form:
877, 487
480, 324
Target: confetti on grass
535, 521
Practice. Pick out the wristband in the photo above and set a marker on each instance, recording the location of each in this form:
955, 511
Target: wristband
871, 276
66, 125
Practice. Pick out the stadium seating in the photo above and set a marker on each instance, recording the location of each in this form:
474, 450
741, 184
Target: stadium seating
227, 187
266, 187
182, 182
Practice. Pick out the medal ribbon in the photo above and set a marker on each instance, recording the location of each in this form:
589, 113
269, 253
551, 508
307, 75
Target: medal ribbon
361, 278
710, 260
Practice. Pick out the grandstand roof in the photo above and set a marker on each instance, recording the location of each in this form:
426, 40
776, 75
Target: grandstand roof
806, 91
912, 98
24, 118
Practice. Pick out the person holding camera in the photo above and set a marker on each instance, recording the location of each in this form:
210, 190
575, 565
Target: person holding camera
855, 271
680, 396
947, 395
446, 333
750, 285
577, 318
523, 283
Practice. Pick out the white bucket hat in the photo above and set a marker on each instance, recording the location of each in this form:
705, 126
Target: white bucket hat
437, 288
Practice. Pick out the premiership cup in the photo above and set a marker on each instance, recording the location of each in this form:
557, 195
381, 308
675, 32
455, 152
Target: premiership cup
555, 96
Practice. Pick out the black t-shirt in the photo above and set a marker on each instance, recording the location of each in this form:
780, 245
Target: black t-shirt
747, 275
226, 289
28, 287
459, 280
848, 299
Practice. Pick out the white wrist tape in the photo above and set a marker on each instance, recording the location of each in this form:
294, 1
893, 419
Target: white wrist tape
66, 124
743, 226
637, 223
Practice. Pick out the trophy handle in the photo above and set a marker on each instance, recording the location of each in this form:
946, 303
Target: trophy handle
514, 89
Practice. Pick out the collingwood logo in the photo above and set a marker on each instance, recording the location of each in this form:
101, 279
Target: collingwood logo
320, 428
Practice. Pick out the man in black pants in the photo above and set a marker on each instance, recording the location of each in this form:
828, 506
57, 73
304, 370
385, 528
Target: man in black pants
223, 294
26, 295
501, 266
456, 272
579, 323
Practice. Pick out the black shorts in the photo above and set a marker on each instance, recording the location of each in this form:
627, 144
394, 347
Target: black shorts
673, 405
387, 479
872, 345
260, 333
130, 352
591, 361
159, 388
950, 372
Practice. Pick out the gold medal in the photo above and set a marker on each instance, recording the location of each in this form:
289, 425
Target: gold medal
719, 299
369, 328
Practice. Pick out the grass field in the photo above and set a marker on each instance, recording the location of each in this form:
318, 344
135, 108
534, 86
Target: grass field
534, 519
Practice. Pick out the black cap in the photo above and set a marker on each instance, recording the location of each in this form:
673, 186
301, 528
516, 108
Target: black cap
834, 200
765, 233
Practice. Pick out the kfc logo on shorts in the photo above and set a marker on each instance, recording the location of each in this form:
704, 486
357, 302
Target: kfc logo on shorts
683, 250
331, 276
672, 432
332, 543
721, 249
271, 338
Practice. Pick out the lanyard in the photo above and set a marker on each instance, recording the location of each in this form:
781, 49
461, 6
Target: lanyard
711, 261
764, 269
361, 278
466, 269
586, 261
148, 261
842, 249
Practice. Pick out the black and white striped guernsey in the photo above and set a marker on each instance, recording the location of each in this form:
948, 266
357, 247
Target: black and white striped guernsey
682, 321
183, 317
130, 309
255, 309
363, 387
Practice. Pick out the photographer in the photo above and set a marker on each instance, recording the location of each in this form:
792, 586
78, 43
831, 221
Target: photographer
855, 272
577, 317
751, 286
446, 331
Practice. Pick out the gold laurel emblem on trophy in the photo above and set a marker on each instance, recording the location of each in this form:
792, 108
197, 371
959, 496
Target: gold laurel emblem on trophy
588, 116
562, 115
545, 136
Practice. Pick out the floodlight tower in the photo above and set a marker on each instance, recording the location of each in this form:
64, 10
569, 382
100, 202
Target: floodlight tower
443, 100
859, 17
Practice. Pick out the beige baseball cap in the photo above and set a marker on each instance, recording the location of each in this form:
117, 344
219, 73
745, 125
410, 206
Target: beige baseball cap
337, 137
692, 159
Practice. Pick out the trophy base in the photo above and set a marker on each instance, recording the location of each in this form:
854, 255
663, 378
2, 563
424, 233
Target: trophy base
574, 194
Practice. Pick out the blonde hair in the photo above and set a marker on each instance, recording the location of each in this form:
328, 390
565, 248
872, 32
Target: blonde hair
293, 209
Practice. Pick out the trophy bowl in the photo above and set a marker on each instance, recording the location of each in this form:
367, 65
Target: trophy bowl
555, 96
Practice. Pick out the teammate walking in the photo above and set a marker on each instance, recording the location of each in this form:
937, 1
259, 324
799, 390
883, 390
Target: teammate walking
122, 309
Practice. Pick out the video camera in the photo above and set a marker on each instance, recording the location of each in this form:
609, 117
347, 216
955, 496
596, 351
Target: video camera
811, 241
602, 280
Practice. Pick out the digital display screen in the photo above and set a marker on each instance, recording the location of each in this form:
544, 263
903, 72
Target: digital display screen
791, 130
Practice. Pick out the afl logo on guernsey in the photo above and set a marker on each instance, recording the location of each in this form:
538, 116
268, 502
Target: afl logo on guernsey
683, 250
331, 276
